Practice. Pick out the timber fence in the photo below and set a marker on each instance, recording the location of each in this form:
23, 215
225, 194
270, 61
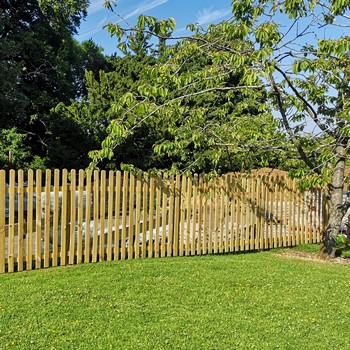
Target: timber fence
57, 218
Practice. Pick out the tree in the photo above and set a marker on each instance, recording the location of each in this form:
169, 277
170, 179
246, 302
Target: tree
294, 50
194, 131
39, 65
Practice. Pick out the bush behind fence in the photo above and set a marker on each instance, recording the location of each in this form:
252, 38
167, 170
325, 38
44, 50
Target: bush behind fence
55, 218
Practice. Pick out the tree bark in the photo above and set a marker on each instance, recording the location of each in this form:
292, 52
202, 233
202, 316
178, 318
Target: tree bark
337, 207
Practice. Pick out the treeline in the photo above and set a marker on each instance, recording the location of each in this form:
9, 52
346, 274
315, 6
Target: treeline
60, 99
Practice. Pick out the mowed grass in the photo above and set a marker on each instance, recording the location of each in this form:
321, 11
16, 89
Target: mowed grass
239, 301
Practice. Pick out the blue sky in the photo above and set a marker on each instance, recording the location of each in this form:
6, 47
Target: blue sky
184, 12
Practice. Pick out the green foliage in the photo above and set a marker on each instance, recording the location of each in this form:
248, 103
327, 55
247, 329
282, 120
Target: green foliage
13, 152
42, 65
203, 119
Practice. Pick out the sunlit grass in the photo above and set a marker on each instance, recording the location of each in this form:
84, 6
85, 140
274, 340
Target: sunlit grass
242, 301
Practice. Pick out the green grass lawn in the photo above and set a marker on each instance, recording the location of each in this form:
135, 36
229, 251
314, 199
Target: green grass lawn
241, 301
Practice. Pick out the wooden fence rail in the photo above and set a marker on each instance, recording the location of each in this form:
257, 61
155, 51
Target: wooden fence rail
58, 217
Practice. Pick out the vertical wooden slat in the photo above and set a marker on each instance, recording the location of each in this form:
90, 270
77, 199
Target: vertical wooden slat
73, 216
171, 216
217, 194
47, 218
118, 191
56, 213
188, 215
30, 222
303, 229
227, 213
242, 212
194, 214
236, 199
247, 210
124, 213
200, 234
165, 199
20, 222
274, 206
231, 200
259, 213
221, 214
158, 214
83, 201
145, 218
131, 235
87, 249
211, 216
11, 234
177, 214
282, 241
102, 216
267, 214
254, 200
288, 224
205, 216
138, 215
96, 204
292, 223
152, 191
2, 219
182, 214
319, 214
38, 181
110, 218
64, 218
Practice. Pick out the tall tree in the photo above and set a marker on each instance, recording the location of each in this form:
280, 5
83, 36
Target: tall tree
194, 122
39, 66
297, 51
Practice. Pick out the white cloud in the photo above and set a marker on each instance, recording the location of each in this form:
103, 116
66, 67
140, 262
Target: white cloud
209, 15
145, 6
95, 6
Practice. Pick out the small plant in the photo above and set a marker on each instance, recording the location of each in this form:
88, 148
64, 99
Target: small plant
343, 244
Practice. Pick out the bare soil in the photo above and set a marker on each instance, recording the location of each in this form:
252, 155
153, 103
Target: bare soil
292, 254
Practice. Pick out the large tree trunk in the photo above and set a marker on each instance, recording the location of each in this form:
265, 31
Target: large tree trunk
336, 205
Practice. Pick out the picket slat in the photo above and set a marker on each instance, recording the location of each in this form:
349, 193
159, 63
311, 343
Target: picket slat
164, 214
145, 219
96, 188
138, 215
20, 218
2, 220
110, 218
30, 221
170, 245
194, 215
47, 218
102, 216
131, 236
64, 217
118, 190
182, 216
82, 198
158, 215
152, 189
177, 211
73, 217
56, 212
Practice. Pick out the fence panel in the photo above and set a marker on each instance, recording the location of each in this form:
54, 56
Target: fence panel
59, 217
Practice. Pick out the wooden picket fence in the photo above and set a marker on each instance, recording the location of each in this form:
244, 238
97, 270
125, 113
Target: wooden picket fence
57, 218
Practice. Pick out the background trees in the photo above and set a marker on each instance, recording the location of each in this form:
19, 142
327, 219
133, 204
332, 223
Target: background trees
290, 57
40, 65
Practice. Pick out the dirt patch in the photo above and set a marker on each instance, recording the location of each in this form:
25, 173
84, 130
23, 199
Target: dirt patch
292, 254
